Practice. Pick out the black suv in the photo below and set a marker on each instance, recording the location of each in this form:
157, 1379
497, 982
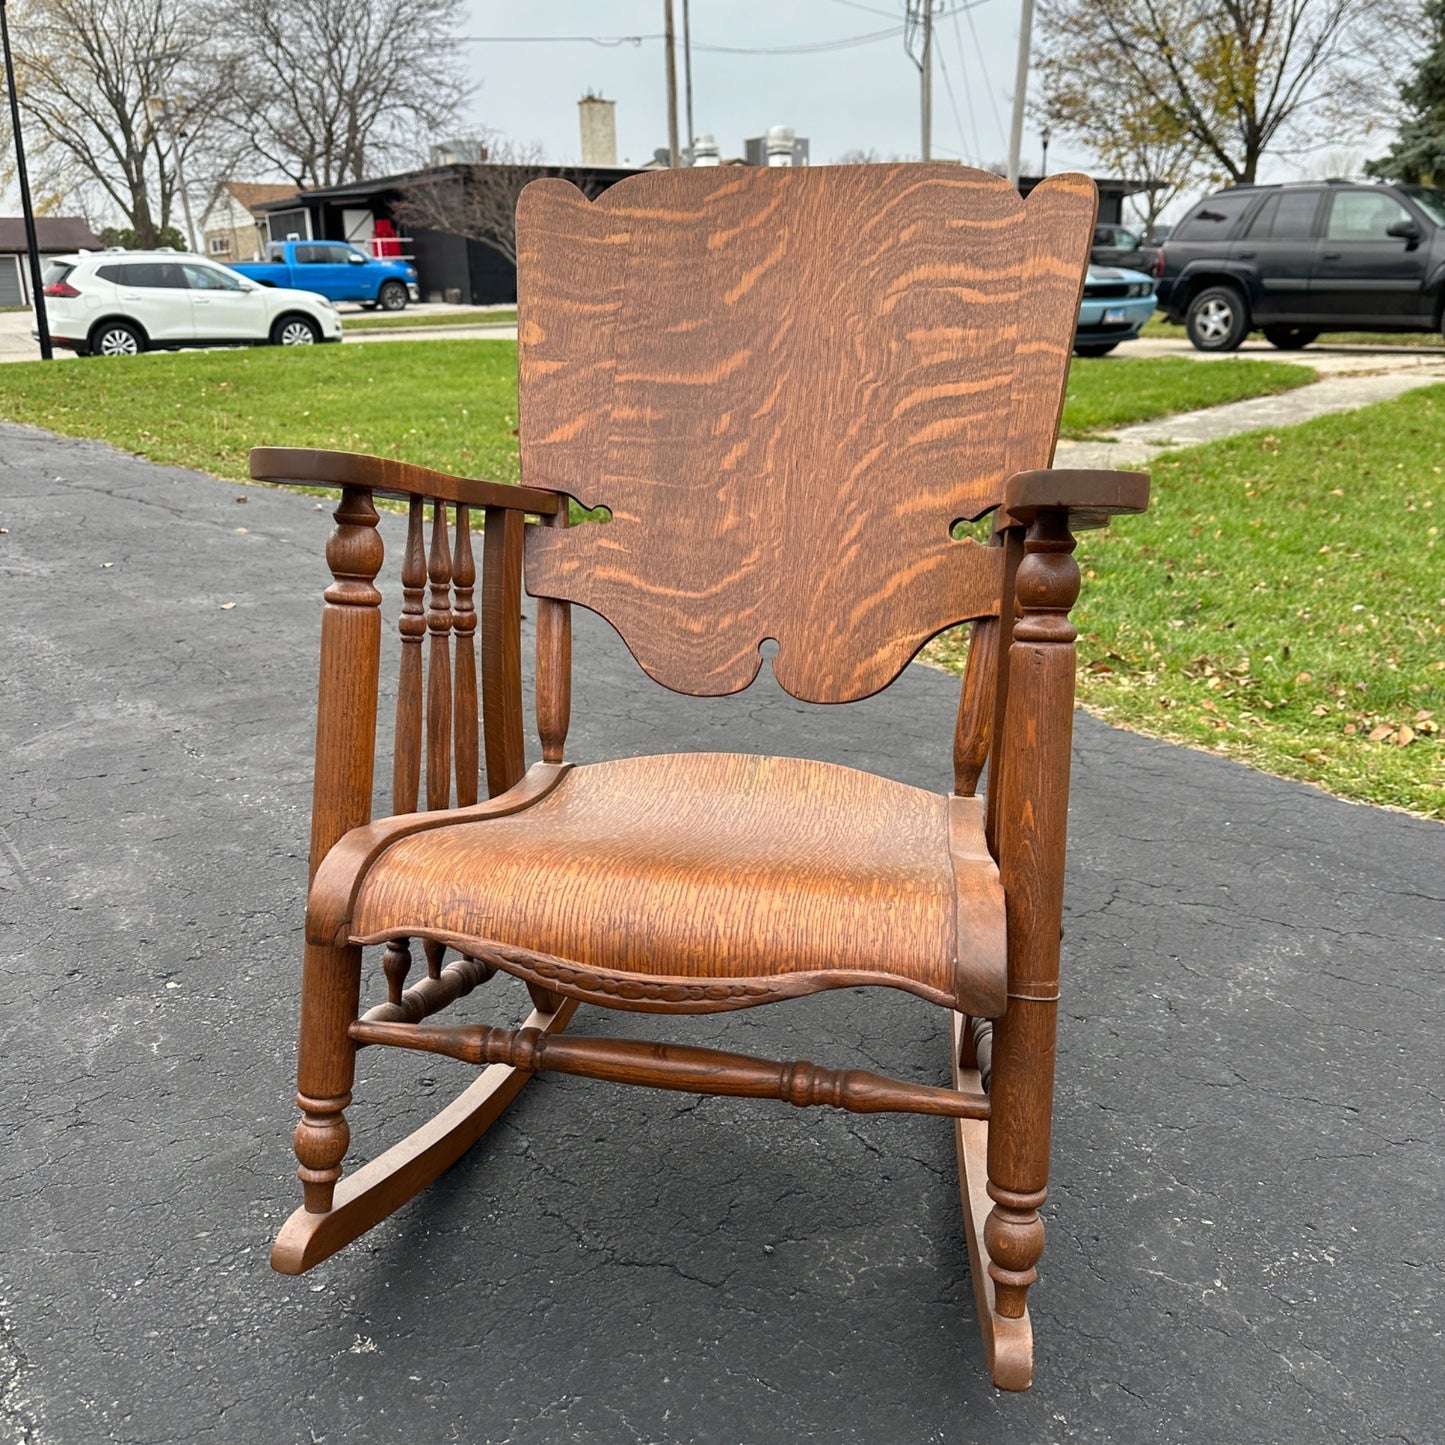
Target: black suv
1295, 260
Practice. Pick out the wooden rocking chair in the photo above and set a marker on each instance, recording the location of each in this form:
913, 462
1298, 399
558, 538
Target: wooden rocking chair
788, 387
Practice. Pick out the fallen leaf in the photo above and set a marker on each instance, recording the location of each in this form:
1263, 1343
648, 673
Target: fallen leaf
4, 531
243, 529
1405, 735
1304, 677
243, 499
1351, 729
1381, 732
1423, 714
227, 606
1319, 711
104, 565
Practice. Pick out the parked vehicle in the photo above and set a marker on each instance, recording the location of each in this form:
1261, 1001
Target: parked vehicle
1294, 260
118, 303
1115, 306
1119, 246
336, 271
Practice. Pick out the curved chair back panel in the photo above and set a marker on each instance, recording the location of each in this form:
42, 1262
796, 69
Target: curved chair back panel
788, 386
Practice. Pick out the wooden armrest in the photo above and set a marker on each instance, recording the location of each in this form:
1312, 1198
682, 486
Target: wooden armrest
1090, 497
391, 478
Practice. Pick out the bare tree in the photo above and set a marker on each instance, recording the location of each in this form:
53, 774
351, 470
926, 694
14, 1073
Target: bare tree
332, 90
1236, 77
480, 201
85, 71
1133, 135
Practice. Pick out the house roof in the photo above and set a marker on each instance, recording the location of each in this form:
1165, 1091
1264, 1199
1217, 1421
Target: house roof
375, 189
53, 233
255, 194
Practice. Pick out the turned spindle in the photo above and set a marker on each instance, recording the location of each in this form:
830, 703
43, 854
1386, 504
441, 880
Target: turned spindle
439, 665
406, 746
464, 625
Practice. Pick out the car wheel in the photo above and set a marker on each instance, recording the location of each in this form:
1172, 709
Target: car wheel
295, 331
1290, 338
116, 338
1094, 348
1217, 320
393, 296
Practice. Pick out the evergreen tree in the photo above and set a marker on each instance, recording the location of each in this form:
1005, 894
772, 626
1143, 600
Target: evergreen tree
1418, 153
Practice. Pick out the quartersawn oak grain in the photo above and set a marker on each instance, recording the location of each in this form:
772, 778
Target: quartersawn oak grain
787, 387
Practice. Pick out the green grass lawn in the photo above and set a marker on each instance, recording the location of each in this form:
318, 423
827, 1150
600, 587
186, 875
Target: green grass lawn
445, 404
366, 321
1283, 602
1162, 327
1114, 391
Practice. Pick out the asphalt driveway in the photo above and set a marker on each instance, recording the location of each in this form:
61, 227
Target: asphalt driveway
1245, 1224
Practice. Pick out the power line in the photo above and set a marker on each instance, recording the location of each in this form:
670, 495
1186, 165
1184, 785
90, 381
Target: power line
967, 92
953, 103
608, 40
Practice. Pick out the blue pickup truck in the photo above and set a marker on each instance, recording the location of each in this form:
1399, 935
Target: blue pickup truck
334, 270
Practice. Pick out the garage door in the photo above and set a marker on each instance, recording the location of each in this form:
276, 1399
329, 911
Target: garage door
11, 293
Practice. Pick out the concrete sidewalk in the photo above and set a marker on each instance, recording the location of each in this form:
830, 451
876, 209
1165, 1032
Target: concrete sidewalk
1245, 1236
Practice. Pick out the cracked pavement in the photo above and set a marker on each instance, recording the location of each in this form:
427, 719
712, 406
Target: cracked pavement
1245, 1222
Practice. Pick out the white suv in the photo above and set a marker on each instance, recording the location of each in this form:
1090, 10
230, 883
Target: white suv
117, 303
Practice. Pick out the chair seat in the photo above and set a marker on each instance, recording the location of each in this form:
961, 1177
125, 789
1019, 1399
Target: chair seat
709, 881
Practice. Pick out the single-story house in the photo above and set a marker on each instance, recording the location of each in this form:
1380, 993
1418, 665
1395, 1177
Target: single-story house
55, 235
446, 263
233, 226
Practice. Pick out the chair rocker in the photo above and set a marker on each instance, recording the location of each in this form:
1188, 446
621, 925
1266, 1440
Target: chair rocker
788, 387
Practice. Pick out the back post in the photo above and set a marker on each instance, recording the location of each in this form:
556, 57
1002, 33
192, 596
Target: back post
1033, 748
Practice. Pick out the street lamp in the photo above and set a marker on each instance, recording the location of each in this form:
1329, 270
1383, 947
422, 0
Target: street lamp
37, 285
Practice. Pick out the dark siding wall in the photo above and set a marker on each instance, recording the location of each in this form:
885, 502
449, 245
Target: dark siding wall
494, 278
441, 263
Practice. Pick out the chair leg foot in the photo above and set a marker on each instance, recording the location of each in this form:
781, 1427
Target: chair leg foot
1008, 1343
378, 1189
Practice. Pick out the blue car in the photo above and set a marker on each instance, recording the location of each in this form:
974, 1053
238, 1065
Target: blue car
1115, 307
333, 270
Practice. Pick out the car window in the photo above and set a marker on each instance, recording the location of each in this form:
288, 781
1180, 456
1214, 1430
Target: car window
1285, 216
311, 255
111, 273
1263, 223
1364, 216
1215, 219
1295, 220
1432, 201
210, 278
56, 272
1126, 240
341, 254
165, 275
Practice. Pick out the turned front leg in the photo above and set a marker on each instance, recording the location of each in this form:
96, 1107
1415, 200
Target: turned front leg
331, 994
341, 800
1033, 821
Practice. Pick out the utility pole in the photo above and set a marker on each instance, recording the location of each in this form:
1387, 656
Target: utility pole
1021, 89
670, 46
159, 106
926, 90
687, 79
22, 179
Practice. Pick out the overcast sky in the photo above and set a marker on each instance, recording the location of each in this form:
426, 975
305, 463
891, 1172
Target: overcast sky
856, 97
